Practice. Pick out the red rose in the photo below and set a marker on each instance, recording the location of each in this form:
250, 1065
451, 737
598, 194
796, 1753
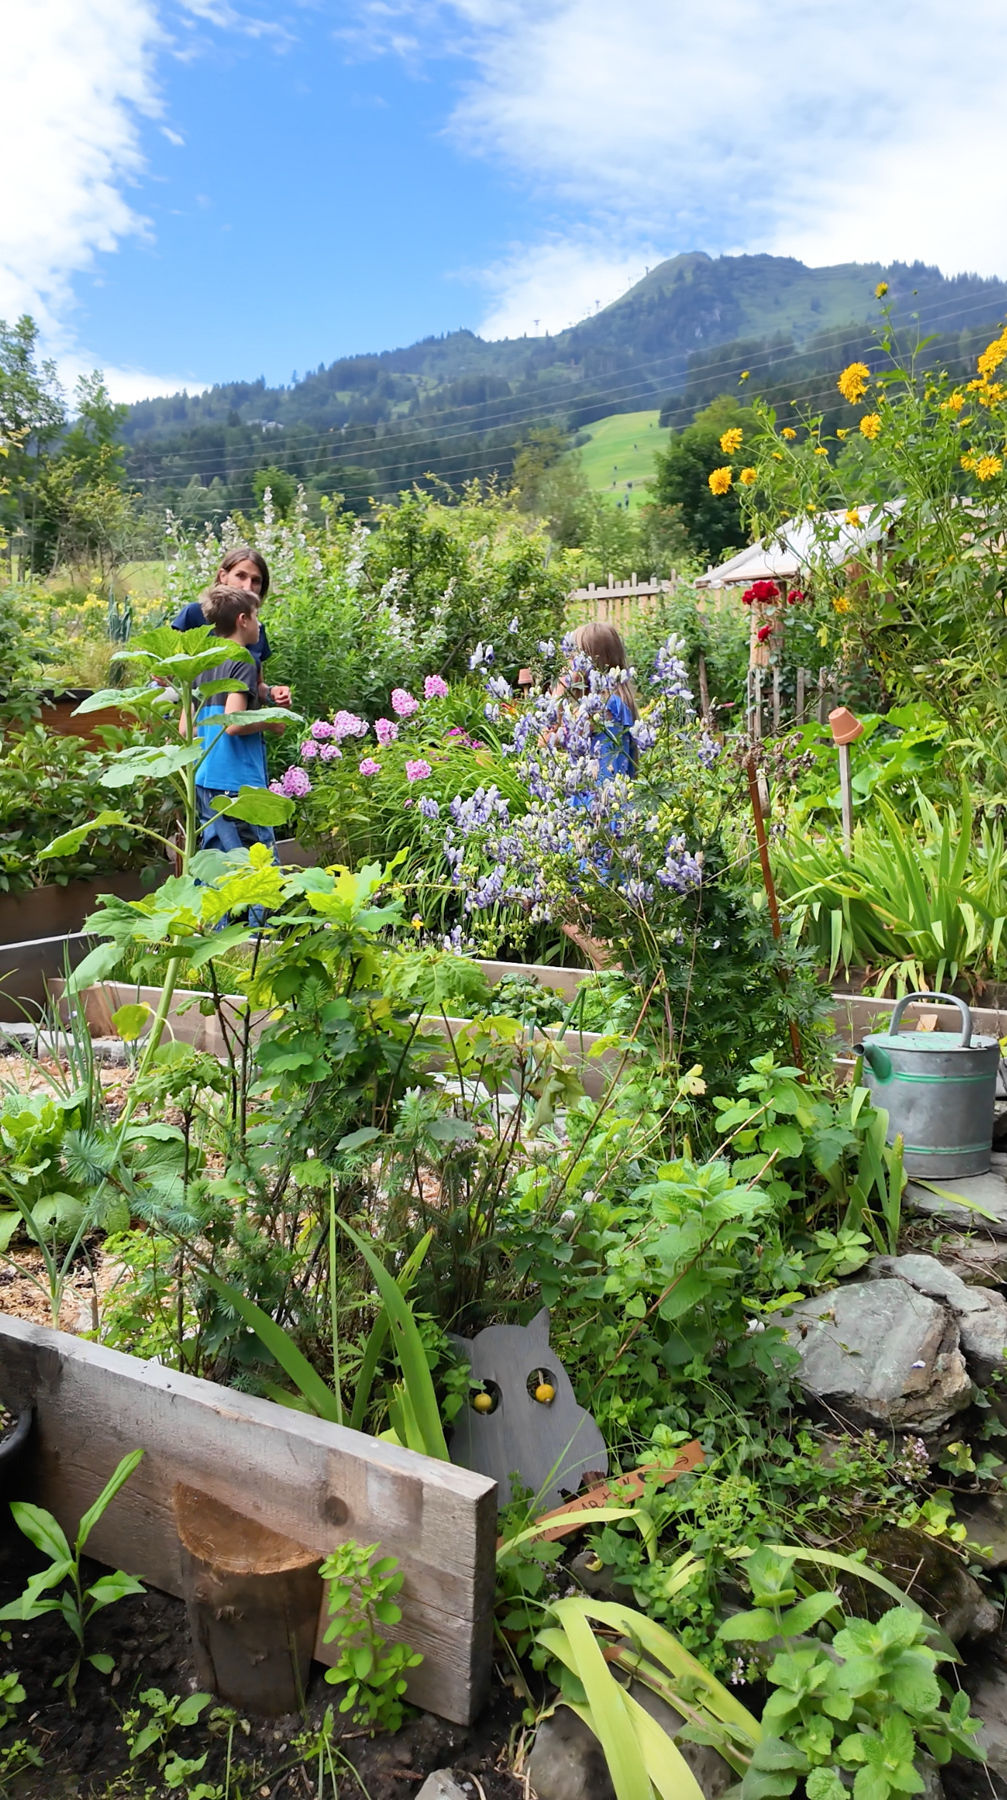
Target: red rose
764, 632
795, 595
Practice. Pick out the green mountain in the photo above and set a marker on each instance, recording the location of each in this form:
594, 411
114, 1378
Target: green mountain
456, 406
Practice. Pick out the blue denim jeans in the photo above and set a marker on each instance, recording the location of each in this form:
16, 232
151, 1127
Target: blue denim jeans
232, 834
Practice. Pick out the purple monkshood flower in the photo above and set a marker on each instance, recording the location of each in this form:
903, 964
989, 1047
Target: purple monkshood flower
309, 748
429, 808
321, 729
347, 724
483, 653
435, 687
515, 624
670, 673
418, 769
295, 783
403, 703
708, 751
330, 752
368, 766
386, 731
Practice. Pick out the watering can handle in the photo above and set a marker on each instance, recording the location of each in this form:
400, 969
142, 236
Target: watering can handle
948, 999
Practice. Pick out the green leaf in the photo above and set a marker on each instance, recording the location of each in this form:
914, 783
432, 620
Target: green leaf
129, 1020
355, 1140
255, 806
100, 1660
96, 966
748, 1627
607, 1712
282, 1348
409, 1348
41, 1529
70, 841
153, 763
120, 1475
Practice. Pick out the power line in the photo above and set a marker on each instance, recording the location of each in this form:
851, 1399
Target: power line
597, 394
398, 445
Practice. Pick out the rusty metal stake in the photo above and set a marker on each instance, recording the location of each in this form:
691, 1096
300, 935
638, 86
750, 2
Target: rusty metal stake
770, 886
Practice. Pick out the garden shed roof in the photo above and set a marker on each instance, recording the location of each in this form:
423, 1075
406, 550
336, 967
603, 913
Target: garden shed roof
799, 542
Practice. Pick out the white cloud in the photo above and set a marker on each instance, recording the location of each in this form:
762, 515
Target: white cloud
124, 384
829, 133
550, 285
75, 78
78, 82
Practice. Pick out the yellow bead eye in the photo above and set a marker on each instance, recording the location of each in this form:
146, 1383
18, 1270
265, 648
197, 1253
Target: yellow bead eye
545, 1392
483, 1403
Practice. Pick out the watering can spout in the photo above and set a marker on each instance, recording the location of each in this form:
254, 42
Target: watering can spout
878, 1060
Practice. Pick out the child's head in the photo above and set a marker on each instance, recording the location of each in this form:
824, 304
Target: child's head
244, 568
233, 612
602, 643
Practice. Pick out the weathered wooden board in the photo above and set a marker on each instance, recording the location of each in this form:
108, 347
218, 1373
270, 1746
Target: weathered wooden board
314, 1482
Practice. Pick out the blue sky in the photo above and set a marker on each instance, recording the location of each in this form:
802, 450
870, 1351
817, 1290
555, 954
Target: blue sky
198, 190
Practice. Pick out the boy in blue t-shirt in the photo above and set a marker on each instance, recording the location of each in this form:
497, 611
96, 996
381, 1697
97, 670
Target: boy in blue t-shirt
235, 750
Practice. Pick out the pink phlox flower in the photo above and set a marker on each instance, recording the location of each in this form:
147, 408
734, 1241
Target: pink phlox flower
403, 703
386, 731
330, 752
296, 783
276, 787
418, 769
309, 748
347, 724
368, 766
321, 729
434, 687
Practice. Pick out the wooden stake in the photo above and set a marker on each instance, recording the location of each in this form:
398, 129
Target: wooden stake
704, 692
253, 1600
770, 887
846, 796
802, 682
776, 702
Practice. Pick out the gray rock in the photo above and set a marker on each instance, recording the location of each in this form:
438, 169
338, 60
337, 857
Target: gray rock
981, 1314
567, 1762
933, 1786
987, 1192
989, 1703
935, 1577
986, 1522
444, 1784
978, 1257
712, 1773
880, 1354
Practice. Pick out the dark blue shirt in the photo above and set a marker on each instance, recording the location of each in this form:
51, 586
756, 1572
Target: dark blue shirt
192, 615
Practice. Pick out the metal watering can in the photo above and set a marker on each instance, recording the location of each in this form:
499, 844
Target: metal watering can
937, 1088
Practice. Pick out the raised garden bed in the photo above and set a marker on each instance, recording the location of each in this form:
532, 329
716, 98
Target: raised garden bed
315, 1483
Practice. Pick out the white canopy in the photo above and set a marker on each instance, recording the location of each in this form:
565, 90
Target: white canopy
799, 543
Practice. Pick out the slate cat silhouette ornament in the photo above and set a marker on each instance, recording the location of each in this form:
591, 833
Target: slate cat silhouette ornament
550, 1445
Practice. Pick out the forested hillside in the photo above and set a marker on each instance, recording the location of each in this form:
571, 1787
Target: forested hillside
457, 406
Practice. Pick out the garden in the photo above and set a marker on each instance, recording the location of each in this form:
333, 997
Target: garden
474, 1318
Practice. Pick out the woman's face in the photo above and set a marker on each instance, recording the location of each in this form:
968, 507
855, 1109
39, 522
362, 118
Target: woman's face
245, 574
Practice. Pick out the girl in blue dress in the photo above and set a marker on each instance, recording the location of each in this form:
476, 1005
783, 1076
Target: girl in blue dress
611, 732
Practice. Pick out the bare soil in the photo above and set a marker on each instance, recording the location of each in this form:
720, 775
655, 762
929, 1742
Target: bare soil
86, 1756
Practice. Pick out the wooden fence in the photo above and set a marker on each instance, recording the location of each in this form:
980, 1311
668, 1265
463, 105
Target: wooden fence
618, 602
769, 710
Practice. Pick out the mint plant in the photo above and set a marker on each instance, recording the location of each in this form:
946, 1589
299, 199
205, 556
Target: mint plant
361, 1598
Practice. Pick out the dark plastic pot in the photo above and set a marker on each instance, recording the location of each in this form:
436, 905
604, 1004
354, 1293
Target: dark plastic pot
14, 1452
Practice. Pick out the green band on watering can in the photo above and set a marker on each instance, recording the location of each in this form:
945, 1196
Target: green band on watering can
946, 1080
944, 1149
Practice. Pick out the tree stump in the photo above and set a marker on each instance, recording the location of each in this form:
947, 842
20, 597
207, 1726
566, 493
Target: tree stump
253, 1600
